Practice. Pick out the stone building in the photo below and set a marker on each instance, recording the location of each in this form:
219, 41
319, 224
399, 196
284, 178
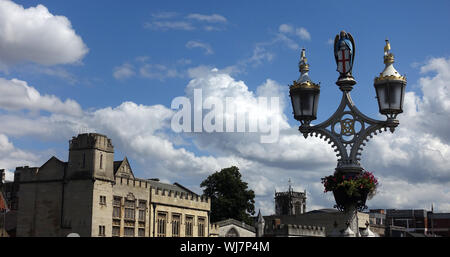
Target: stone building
93, 195
290, 202
234, 228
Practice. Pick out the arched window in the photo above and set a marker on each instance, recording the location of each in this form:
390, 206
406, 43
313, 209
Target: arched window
101, 161
232, 233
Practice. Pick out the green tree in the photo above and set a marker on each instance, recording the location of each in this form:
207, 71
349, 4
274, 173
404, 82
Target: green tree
230, 196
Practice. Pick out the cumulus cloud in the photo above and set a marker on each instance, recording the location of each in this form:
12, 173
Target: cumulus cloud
197, 44
35, 35
412, 164
18, 95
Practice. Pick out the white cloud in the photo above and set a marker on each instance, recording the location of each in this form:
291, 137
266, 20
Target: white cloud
285, 28
303, 33
36, 35
124, 71
158, 71
17, 95
169, 21
197, 44
11, 157
412, 164
167, 25
213, 18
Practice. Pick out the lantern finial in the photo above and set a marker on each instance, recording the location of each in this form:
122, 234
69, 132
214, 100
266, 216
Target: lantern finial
303, 66
389, 71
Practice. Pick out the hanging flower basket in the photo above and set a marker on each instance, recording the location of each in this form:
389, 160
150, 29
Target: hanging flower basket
343, 200
351, 190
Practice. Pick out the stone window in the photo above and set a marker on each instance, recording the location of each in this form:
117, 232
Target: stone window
162, 223
142, 210
116, 212
130, 209
189, 224
101, 230
128, 232
101, 161
129, 214
201, 227
141, 215
142, 204
102, 200
141, 232
115, 231
117, 201
176, 218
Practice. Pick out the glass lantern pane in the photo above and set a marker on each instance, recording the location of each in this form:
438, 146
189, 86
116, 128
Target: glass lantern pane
296, 104
316, 104
395, 94
382, 93
306, 101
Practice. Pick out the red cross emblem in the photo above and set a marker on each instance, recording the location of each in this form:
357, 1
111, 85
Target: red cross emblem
343, 61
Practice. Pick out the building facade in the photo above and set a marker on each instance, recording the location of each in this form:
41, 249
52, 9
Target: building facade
415, 221
93, 195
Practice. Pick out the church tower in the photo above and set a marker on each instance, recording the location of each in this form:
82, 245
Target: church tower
290, 202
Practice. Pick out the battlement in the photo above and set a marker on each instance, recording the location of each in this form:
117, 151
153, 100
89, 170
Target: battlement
290, 193
91, 141
160, 192
180, 195
213, 230
27, 174
294, 230
175, 198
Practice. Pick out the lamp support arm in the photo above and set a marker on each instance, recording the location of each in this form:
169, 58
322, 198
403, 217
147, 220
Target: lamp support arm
339, 131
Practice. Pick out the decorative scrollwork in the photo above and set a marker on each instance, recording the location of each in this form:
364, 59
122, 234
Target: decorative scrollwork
326, 130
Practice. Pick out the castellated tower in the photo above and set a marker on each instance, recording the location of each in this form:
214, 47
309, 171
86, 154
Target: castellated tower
290, 202
91, 156
90, 173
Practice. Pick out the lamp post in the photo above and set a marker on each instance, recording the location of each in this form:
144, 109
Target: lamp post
339, 130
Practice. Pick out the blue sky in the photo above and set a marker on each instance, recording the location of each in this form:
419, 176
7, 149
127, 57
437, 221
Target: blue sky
147, 52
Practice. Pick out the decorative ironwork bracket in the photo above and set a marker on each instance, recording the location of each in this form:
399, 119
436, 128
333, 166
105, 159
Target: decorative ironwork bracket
347, 141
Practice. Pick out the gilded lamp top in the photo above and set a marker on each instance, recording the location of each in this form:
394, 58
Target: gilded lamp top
303, 81
389, 72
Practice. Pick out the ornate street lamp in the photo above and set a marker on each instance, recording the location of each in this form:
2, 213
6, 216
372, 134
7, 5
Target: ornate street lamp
390, 87
304, 94
348, 130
